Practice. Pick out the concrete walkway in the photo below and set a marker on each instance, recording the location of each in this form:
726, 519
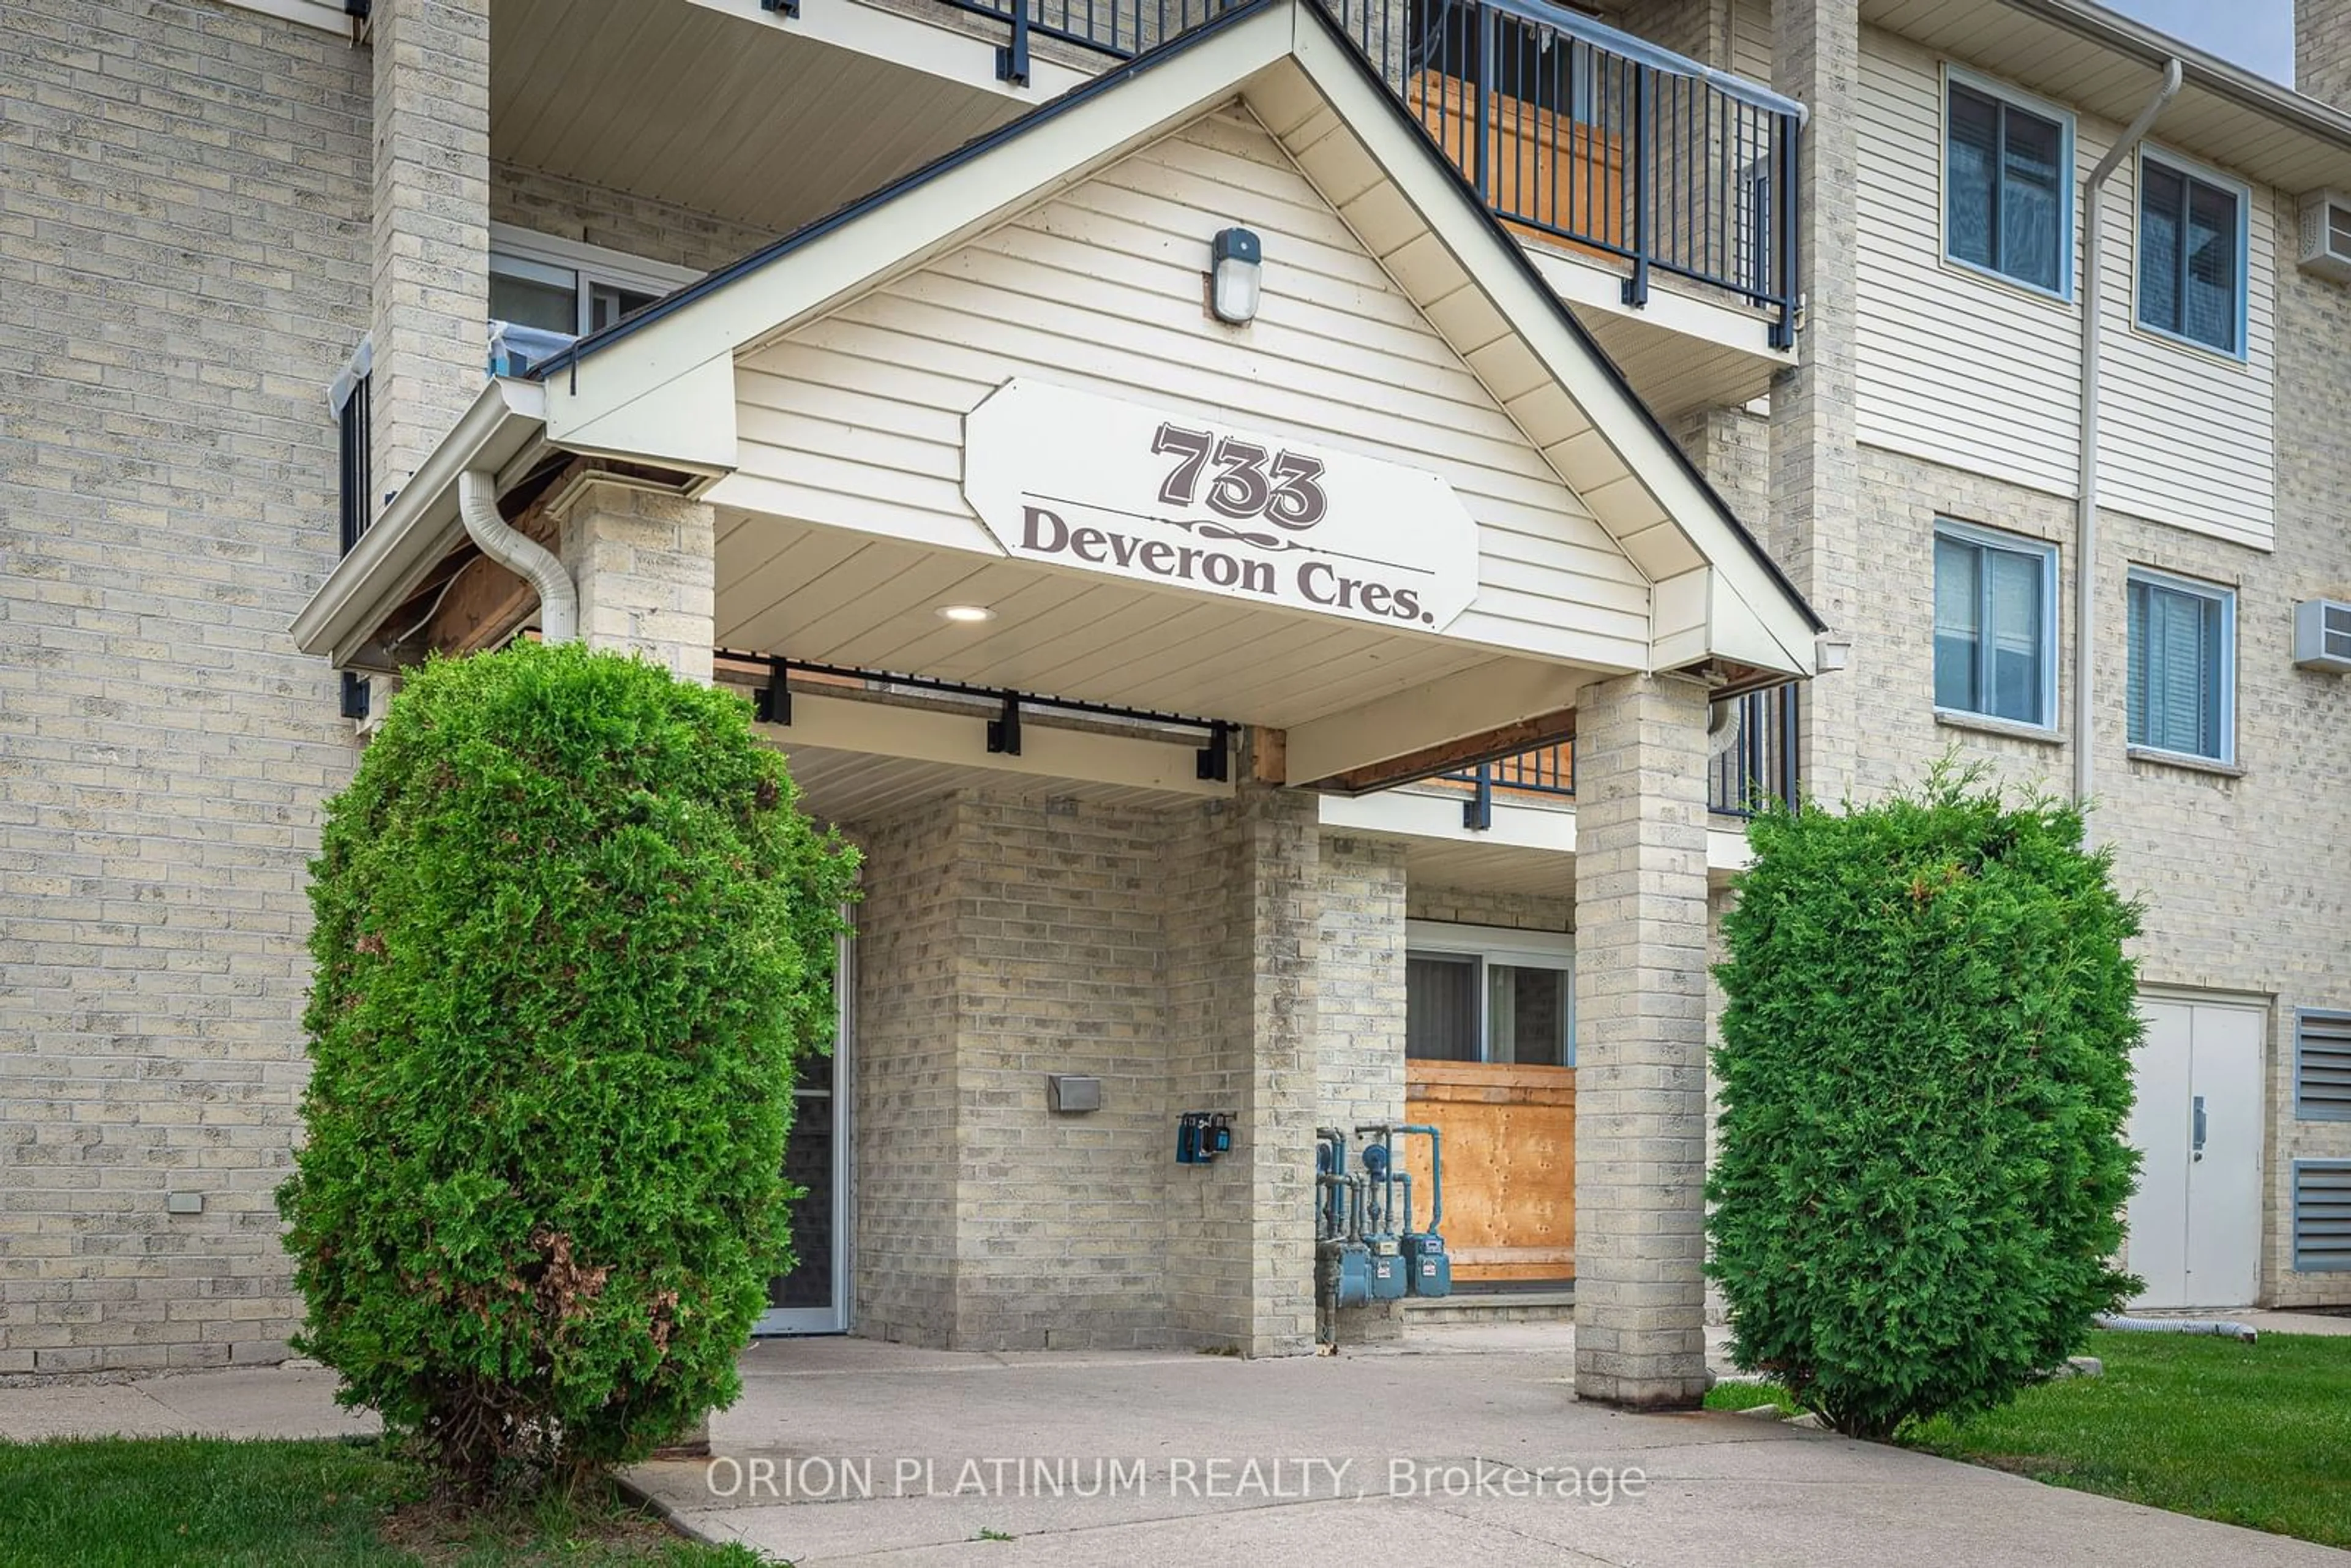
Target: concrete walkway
1465, 1444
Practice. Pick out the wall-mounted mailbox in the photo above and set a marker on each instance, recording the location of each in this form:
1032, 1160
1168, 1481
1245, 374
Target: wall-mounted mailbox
1072, 1092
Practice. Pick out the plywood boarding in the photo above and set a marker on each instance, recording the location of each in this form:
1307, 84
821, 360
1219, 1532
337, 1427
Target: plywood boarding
1543, 164
2186, 435
855, 421
1509, 1164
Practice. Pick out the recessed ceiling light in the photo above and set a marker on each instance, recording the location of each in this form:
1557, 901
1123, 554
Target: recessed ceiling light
966, 613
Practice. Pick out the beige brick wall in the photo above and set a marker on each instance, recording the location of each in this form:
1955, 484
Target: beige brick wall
1059, 1226
431, 62
1513, 911
570, 209
907, 1101
183, 244
1169, 952
644, 564
2247, 876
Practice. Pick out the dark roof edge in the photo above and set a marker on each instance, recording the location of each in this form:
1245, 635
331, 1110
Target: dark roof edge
2249, 89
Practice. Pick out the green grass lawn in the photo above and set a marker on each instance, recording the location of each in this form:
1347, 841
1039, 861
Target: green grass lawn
2252, 1435
320, 1504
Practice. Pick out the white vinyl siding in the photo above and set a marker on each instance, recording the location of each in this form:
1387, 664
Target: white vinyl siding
855, 421
326, 15
2186, 436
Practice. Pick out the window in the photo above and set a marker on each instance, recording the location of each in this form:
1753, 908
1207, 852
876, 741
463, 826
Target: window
349, 396
1995, 625
2322, 1066
2182, 666
2191, 257
2008, 193
1478, 994
562, 286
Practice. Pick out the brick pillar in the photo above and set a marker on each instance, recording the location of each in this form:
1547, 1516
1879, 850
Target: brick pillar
2322, 52
644, 563
1814, 526
1279, 875
431, 279
1640, 998
1242, 935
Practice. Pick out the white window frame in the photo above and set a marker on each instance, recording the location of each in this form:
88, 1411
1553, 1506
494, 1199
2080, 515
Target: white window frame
2040, 109
2209, 175
546, 258
1489, 945
2227, 597
2015, 544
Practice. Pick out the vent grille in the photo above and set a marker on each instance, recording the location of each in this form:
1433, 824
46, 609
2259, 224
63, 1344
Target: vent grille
2322, 1216
2322, 1066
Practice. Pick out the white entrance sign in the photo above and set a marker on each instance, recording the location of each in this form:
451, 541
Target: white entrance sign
1100, 485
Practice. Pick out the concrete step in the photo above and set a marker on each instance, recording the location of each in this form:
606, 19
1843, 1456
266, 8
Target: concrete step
1492, 1307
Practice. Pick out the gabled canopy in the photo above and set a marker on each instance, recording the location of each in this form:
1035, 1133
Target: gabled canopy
660, 389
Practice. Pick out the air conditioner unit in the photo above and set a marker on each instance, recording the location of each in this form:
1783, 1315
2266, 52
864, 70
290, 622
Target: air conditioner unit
2327, 235
2322, 635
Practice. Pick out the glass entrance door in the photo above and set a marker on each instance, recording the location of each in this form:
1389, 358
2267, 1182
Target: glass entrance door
814, 1297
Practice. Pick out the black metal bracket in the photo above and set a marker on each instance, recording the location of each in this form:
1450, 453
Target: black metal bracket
1214, 760
773, 703
1004, 734
1477, 812
355, 694
1012, 58
781, 7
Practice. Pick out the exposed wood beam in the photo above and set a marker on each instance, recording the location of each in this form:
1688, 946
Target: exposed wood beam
488, 604
1429, 718
1506, 740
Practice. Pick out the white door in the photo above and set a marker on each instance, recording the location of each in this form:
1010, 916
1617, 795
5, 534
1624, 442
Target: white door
2196, 1220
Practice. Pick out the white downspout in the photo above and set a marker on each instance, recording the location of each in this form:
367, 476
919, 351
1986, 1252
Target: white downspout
558, 601
2086, 521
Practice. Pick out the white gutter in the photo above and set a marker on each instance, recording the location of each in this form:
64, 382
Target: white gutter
2085, 520
419, 525
558, 601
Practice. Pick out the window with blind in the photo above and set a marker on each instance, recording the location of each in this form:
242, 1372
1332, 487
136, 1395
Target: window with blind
1488, 1003
2182, 667
1995, 625
2191, 257
2007, 190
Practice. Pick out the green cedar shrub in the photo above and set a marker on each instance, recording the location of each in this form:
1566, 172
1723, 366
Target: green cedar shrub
1925, 1071
571, 933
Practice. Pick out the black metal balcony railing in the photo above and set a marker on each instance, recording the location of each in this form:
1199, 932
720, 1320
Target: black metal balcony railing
1756, 767
1570, 130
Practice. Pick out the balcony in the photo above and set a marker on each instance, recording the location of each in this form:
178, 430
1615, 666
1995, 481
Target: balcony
1753, 767
1653, 192
1621, 163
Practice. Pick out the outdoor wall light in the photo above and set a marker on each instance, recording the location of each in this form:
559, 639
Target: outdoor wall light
1233, 280
965, 613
